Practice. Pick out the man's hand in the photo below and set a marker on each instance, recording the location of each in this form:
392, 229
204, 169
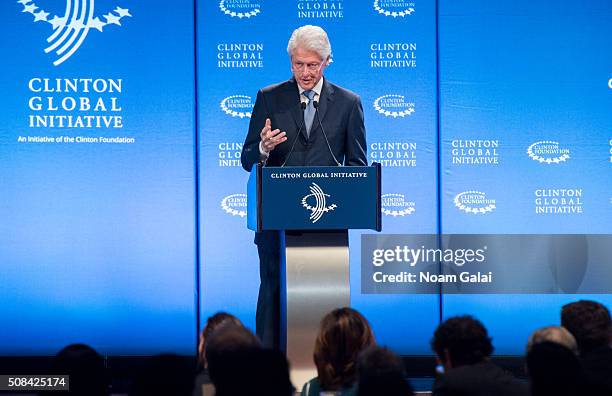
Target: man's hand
270, 138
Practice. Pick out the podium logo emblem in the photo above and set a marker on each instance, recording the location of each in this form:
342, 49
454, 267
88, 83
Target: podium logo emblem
316, 203
71, 29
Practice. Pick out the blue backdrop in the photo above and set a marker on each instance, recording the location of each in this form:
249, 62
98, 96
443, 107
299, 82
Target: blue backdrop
121, 225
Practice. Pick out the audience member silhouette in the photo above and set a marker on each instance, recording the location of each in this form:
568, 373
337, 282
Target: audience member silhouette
238, 365
343, 334
381, 372
166, 374
556, 334
203, 386
463, 348
554, 370
591, 325
85, 367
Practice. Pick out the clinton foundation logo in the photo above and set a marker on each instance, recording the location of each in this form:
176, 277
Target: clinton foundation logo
474, 202
235, 205
558, 201
240, 8
72, 27
393, 106
548, 152
396, 205
316, 203
237, 106
320, 9
394, 8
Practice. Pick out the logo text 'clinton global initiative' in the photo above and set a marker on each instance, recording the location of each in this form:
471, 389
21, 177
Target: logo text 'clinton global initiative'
394, 154
240, 8
548, 152
393, 106
235, 205
320, 206
474, 202
394, 8
474, 152
240, 55
71, 29
393, 55
558, 201
237, 106
320, 9
396, 205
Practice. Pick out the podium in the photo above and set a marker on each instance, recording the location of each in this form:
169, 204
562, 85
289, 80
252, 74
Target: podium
313, 208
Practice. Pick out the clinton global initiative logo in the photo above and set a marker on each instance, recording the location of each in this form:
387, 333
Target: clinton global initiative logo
240, 55
396, 205
320, 9
229, 154
474, 152
316, 203
237, 106
394, 8
558, 201
391, 55
474, 202
394, 154
548, 152
240, 8
71, 29
235, 204
393, 106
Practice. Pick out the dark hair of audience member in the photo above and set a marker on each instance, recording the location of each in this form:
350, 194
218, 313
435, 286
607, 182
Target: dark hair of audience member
381, 372
589, 322
463, 339
229, 353
85, 367
211, 324
166, 374
343, 334
554, 370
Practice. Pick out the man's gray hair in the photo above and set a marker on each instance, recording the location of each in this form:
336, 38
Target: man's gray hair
311, 38
556, 334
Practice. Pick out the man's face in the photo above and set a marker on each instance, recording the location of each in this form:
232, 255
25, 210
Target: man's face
307, 67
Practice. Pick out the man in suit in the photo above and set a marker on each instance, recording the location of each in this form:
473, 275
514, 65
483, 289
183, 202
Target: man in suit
463, 349
591, 324
285, 129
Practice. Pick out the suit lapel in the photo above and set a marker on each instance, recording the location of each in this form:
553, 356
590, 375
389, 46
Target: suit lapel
327, 97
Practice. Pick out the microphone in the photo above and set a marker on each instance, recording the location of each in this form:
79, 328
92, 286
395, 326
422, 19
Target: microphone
316, 106
303, 107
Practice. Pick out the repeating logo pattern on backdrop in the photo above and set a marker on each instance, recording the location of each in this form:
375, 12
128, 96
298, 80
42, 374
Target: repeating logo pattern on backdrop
320, 206
394, 8
240, 8
474, 152
474, 202
393, 105
396, 205
320, 9
548, 152
237, 106
71, 29
235, 205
